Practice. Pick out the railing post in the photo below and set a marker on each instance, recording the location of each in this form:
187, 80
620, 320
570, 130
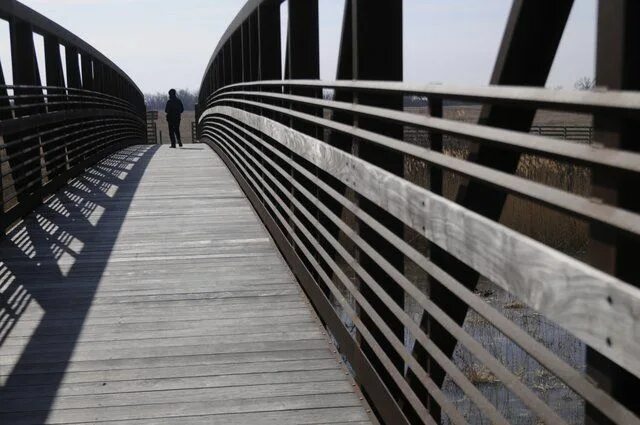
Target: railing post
254, 43
245, 35
228, 70
377, 54
303, 62
617, 68
235, 44
55, 77
53, 67
268, 52
98, 77
525, 58
269, 43
4, 115
4, 101
73, 68
25, 64
270, 49
435, 185
25, 72
87, 72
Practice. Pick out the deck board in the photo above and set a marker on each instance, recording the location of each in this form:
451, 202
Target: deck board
148, 291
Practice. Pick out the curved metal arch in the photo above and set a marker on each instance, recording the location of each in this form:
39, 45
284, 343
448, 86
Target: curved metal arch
44, 26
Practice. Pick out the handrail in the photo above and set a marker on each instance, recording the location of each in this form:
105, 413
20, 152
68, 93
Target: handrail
327, 175
614, 101
51, 132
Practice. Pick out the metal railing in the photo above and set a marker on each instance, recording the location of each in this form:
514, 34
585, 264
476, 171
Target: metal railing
50, 133
327, 176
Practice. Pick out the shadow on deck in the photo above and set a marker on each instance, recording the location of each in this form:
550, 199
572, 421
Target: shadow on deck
50, 269
148, 291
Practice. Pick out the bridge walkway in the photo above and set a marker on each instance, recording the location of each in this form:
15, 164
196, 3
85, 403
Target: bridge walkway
148, 291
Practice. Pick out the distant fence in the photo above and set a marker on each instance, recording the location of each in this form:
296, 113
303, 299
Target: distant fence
152, 127
49, 133
574, 133
327, 178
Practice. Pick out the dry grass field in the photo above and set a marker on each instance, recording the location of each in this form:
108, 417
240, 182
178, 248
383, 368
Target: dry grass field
550, 227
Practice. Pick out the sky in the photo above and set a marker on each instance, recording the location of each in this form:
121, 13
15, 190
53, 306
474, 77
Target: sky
167, 43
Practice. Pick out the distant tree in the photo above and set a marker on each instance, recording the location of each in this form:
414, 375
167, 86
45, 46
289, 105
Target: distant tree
585, 83
157, 101
416, 101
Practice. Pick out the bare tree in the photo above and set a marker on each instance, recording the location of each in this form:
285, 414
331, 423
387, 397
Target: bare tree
157, 101
585, 83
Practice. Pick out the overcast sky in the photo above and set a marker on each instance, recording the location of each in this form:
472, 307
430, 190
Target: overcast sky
167, 43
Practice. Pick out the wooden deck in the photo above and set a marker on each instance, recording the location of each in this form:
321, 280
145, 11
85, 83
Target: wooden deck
148, 291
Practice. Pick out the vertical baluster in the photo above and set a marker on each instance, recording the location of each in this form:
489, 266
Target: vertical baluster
74, 81
228, 70
5, 114
245, 36
87, 84
98, 78
525, 58
302, 62
377, 54
254, 42
25, 72
55, 78
87, 72
435, 185
236, 57
617, 68
73, 68
270, 48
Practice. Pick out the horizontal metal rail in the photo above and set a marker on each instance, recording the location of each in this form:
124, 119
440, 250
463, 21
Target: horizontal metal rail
619, 102
325, 164
52, 132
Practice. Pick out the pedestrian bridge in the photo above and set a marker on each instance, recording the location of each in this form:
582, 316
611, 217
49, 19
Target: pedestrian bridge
325, 254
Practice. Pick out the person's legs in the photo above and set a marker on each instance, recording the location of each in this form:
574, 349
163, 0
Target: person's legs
177, 130
172, 135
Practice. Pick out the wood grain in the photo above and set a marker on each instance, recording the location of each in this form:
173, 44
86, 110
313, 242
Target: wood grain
148, 291
598, 308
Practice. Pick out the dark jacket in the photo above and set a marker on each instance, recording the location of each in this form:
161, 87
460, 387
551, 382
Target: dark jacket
173, 109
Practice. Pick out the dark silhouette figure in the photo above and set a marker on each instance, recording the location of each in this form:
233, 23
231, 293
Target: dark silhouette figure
174, 109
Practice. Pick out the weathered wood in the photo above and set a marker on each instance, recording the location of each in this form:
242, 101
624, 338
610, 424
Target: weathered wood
567, 291
510, 380
570, 376
363, 303
177, 410
149, 290
346, 415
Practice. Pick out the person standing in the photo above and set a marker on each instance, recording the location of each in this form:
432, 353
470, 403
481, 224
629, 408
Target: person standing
174, 110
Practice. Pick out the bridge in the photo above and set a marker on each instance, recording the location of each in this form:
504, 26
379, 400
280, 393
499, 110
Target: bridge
323, 255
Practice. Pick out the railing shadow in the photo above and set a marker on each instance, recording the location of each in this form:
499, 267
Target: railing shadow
50, 271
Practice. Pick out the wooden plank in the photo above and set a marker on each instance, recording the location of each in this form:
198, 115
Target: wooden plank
565, 290
165, 410
168, 360
84, 395
115, 375
345, 415
148, 289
